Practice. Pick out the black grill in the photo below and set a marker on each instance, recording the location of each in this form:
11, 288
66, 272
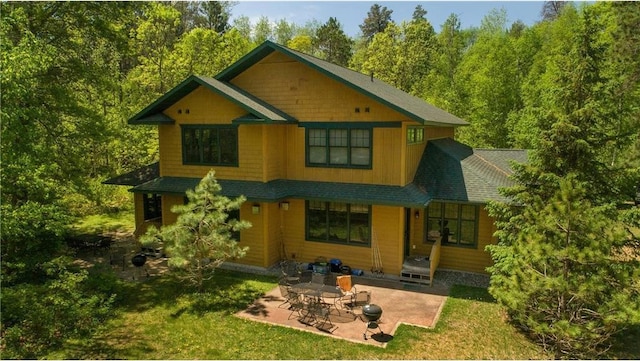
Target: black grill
372, 313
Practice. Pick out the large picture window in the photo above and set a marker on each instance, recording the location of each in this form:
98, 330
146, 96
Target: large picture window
210, 145
456, 224
338, 222
339, 147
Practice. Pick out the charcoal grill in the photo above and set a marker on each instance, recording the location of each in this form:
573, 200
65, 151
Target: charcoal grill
139, 261
372, 314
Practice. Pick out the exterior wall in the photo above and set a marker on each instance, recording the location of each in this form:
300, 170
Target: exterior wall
387, 229
141, 224
277, 151
308, 95
205, 107
460, 258
386, 160
168, 201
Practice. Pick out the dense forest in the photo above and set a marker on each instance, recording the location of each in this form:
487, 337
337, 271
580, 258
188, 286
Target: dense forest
74, 72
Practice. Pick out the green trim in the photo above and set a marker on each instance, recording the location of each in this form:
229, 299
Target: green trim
227, 91
458, 220
268, 47
359, 125
328, 238
180, 90
155, 119
251, 119
417, 137
246, 61
199, 128
328, 148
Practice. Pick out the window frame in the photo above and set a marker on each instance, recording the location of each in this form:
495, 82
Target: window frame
415, 134
154, 199
199, 128
350, 146
328, 224
459, 220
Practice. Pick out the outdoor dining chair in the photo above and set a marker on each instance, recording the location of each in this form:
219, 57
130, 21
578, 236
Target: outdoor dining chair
290, 271
291, 297
349, 292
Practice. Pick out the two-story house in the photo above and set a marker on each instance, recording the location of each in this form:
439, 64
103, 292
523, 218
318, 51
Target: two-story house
330, 160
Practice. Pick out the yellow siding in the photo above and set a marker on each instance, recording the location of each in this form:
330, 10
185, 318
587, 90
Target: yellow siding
269, 152
439, 132
307, 94
168, 201
253, 236
464, 259
275, 143
206, 107
386, 159
387, 226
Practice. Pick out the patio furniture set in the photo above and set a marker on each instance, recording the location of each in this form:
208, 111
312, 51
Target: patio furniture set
314, 297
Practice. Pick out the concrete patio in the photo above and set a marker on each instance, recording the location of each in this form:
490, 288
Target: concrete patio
401, 303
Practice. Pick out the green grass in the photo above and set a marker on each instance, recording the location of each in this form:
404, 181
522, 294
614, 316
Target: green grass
100, 223
163, 319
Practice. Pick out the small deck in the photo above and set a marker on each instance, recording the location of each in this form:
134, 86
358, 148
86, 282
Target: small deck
416, 269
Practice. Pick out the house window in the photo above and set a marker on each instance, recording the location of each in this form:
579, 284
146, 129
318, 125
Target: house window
415, 135
152, 206
457, 224
210, 145
349, 148
338, 223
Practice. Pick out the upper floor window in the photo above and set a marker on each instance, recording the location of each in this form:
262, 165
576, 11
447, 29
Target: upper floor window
339, 147
415, 135
338, 222
456, 224
210, 145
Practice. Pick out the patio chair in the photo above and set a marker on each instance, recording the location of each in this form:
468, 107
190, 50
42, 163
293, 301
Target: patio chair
290, 297
317, 278
290, 272
349, 292
321, 313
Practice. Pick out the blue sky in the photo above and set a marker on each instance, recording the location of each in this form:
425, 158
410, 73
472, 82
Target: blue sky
352, 13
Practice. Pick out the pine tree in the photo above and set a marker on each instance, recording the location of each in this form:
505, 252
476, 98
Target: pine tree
560, 271
333, 44
564, 267
201, 239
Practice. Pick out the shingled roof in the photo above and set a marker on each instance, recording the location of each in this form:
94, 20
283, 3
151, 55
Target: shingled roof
452, 171
280, 189
136, 177
407, 104
258, 111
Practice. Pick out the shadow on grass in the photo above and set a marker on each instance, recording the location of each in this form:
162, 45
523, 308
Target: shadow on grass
227, 292
471, 293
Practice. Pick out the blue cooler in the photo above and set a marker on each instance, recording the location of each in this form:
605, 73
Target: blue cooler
335, 265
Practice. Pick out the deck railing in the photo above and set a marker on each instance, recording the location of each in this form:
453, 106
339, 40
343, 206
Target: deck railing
434, 260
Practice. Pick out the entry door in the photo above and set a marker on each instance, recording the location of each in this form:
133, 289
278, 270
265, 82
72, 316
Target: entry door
407, 231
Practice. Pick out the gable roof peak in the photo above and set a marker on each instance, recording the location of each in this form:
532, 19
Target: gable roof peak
411, 106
